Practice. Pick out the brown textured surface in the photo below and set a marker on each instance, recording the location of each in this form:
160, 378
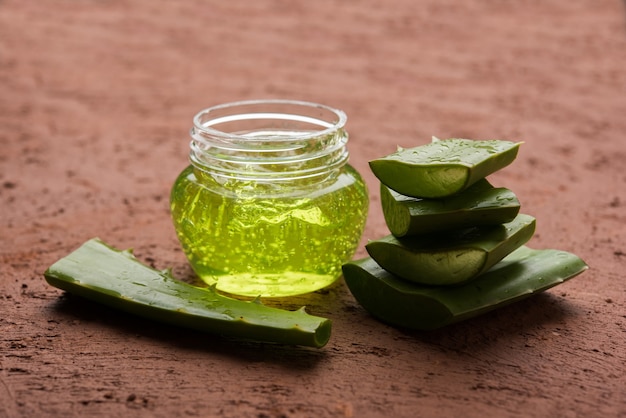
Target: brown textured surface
96, 98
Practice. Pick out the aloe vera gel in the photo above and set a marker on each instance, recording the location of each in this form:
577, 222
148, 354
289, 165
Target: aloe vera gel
269, 205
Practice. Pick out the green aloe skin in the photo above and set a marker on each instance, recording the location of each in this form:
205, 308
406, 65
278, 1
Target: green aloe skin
116, 278
480, 204
454, 257
401, 303
443, 167
457, 244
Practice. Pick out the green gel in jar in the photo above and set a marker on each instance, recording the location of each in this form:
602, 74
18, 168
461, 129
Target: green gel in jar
269, 205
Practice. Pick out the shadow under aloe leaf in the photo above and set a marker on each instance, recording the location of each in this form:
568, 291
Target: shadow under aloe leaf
519, 318
74, 307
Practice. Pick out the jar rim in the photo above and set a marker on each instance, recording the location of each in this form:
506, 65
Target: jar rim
206, 127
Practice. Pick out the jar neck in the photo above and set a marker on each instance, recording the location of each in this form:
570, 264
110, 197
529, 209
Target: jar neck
269, 141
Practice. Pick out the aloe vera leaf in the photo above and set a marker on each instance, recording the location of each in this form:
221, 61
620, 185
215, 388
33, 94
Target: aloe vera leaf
398, 302
452, 258
116, 278
480, 204
444, 167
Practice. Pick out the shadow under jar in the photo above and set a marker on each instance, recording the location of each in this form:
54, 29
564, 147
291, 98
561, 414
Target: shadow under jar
269, 205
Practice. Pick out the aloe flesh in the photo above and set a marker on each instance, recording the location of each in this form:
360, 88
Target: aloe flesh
480, 204
116, 278
452, 258
443, 167
398, 302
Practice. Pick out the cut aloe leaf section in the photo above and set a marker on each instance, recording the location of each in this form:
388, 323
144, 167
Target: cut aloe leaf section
480, 204
116, 278
443, 167
398, 302
451, 258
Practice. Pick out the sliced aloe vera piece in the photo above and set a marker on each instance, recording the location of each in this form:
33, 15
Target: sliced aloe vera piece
452, 258
443, 167
480, 204
398, 302
116, 278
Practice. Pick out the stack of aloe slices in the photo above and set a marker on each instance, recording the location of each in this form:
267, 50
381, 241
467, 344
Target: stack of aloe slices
457, 244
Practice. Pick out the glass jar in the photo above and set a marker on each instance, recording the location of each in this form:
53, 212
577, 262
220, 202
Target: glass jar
269, 205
